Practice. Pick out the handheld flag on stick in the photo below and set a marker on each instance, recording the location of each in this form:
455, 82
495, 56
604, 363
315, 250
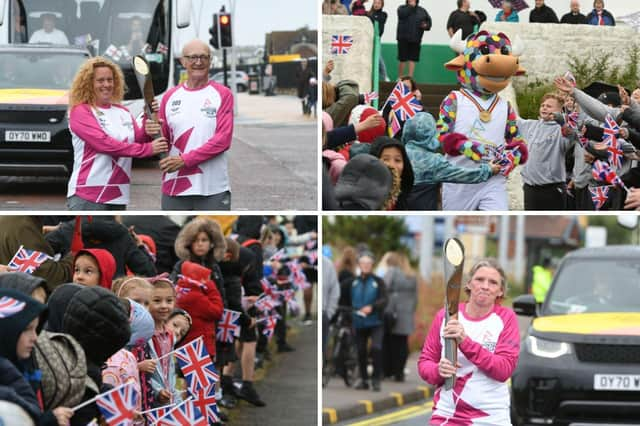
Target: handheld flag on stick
118, 405
184, 414
228, 326
196, 365
26, 260
599, 195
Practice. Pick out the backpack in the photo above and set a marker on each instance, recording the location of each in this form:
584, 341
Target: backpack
64, 369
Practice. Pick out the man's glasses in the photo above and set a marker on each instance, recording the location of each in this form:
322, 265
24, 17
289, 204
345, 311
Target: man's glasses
195, 58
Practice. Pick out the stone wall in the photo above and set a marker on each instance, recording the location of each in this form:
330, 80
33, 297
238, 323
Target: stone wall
355, 65
547, 46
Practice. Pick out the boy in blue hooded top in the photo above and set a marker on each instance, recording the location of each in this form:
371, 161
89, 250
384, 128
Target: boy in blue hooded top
430, 168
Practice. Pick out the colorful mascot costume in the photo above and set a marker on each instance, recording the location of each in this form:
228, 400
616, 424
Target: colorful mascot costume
475, 124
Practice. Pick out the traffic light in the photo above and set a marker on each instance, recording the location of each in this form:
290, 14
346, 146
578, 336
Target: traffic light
225, 30
213, 41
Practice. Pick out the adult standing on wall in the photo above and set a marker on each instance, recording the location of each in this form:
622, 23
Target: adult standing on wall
600, 16
543, 14
574, 16
376, 14
462, 18
413, 21
197, 116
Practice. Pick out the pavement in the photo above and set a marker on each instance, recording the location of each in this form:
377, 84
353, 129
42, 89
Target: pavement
289, 385
279, 109
340, 403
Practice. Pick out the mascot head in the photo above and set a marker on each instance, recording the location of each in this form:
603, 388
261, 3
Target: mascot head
486, 61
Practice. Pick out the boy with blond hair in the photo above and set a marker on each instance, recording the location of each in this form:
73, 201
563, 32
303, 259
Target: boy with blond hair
544, 175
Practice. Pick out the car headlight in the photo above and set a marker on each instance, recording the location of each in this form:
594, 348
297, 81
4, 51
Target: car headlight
547, 348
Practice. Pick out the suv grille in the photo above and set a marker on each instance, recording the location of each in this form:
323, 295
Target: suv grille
34, 116
608, 353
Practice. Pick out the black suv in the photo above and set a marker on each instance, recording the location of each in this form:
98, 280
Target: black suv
580, 362
34, 134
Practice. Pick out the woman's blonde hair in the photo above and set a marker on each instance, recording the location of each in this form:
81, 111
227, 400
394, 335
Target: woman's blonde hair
82, 91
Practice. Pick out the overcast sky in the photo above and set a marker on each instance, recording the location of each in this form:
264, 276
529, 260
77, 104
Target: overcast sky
254, 18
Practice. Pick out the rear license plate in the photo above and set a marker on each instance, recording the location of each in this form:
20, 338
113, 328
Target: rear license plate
27, 136
623, 382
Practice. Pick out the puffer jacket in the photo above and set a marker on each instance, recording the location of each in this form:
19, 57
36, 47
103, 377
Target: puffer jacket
429, 166
105, 233
409, 23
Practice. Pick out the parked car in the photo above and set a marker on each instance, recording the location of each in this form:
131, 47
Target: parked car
34, 134
242, 79
580, 362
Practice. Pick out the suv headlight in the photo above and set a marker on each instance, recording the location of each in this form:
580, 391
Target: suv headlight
547, 348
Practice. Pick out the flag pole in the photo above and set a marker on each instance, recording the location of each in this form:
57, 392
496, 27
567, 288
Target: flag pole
158, 408
174, 409
376, 61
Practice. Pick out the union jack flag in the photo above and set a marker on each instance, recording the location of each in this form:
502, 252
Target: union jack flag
368, 97
277, 255
266, 303
154, 415
602, 172
404, 105
205, 401
162, 48
599, 195
267, 288
117, 405
340, 44
610, 138
228, 326
572, 120
572, 79
26, 260
10, 306
184, 414
270, 326
196, 365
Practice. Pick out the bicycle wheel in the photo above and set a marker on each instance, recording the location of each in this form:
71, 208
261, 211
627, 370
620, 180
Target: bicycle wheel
328, 365
350, 361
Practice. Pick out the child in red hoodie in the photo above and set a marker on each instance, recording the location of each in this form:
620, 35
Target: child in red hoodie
198, 295
93, 267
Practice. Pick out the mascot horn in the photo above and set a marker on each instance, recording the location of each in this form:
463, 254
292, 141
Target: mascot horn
476, 124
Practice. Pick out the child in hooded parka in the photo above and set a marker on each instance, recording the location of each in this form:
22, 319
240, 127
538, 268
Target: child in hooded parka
431, 168
21, 318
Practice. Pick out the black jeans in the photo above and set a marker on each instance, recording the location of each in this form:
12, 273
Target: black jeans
395, 351
362, 340
545, 197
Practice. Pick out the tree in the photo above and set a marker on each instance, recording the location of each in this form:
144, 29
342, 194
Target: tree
380, 233
616, 234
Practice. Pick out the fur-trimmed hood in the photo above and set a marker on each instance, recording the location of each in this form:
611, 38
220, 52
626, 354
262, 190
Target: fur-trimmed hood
189, 232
